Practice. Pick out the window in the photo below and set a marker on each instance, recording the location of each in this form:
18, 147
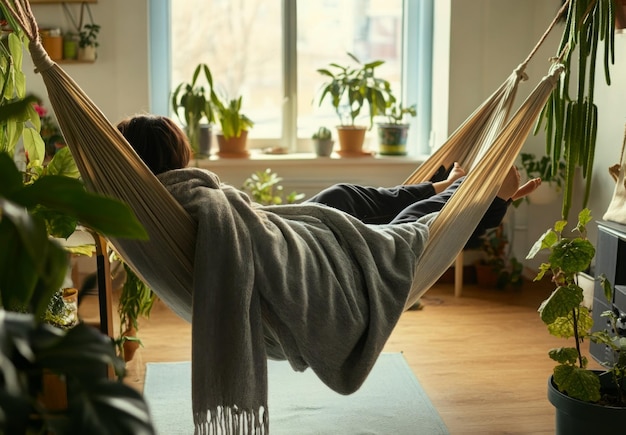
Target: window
268, 51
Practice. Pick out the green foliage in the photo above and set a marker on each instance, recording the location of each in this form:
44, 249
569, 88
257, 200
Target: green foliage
543, 168
265, 189
80, 356
194, 101
322, 133
229, 115
396, 112
33, 266
88, 36
350, 88
571, 119
136, 300
567, 317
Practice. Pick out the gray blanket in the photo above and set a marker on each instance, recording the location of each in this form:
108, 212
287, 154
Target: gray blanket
305, 283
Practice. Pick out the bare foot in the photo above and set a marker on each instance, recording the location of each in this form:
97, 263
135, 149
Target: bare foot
455, 173
526, 189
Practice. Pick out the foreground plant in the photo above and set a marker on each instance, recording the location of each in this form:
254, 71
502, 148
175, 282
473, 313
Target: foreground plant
567, 317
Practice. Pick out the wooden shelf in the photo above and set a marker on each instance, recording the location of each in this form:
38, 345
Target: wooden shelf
73, 61
34, 2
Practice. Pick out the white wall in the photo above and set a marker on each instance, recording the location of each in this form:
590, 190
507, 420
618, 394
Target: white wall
487, 40
118, 81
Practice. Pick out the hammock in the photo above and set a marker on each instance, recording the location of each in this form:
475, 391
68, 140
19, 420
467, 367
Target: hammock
109, 166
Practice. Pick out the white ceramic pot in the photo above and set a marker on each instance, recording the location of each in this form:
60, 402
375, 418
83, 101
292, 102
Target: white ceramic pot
87, 53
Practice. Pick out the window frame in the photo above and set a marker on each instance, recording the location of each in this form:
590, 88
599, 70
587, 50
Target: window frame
417, 60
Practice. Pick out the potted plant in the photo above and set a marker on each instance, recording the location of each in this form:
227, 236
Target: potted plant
392, 135
265, 189
194, 101
136, 300
349, 90
32, 269
586, 400
234, 126
552, 177
88, 42
323, 142
496, 269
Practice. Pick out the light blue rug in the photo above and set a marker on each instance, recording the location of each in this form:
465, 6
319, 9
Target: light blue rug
391, 401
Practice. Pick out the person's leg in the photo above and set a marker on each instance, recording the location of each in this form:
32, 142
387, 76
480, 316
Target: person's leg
373, 205
379, 205
494, 215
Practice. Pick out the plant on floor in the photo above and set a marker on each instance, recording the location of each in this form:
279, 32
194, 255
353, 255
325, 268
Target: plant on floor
265, 189
32, 269
136, 300
507, 270
567, 317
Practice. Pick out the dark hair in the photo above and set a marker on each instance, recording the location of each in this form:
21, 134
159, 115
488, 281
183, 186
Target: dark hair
160, 143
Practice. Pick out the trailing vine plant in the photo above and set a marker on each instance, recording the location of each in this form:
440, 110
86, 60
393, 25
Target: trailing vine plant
571, 119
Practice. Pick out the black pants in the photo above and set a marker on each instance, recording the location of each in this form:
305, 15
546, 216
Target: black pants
380, 205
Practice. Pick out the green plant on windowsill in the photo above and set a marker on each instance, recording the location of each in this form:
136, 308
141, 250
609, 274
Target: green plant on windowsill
351, 88
194, 101
230, 117
322, 133
265, 189
566, 316
396, 113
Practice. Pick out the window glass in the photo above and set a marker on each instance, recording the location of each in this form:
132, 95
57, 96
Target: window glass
244, 44
327, 31
241, 41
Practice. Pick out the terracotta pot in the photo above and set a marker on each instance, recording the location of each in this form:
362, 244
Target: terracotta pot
351, 139
233, 146
129, 347
485, 276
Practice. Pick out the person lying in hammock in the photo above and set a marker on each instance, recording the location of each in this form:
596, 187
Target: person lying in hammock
163, 146
320, 284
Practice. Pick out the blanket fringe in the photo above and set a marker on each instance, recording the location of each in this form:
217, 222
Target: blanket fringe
232, 421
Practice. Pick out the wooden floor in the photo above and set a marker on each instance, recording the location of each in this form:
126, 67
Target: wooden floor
482, 358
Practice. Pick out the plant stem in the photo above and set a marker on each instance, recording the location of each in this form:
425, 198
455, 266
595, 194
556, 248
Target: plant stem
576, 338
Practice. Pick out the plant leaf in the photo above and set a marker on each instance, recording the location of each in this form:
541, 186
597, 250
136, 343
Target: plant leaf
578, 383
560, 303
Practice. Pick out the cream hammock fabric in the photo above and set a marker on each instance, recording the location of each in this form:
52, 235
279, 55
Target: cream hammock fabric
110, 166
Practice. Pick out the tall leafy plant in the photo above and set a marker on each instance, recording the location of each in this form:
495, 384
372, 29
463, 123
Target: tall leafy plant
191, 103
350, 88
566, 316
570, 116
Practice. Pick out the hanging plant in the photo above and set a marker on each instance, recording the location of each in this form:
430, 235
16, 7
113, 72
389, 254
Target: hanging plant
571, 119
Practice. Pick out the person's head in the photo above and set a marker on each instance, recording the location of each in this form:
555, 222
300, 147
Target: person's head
160, 143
